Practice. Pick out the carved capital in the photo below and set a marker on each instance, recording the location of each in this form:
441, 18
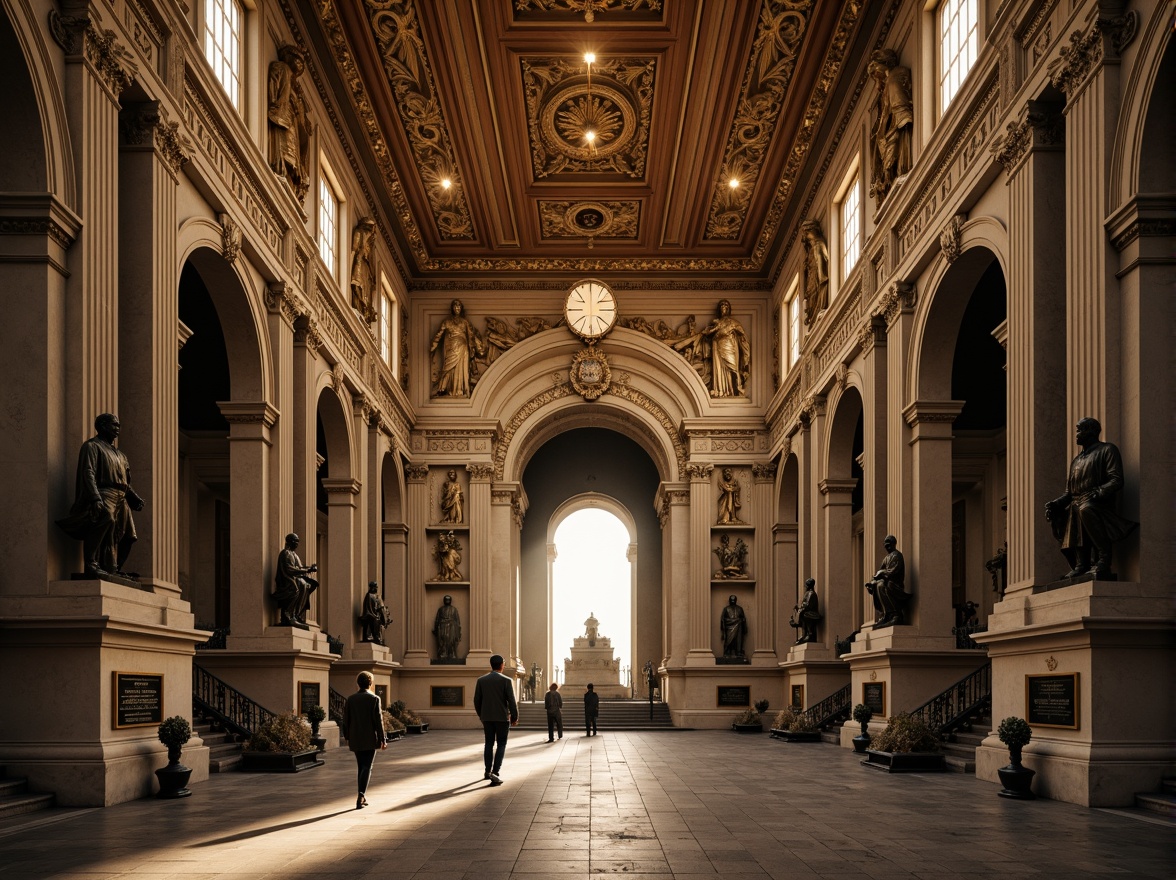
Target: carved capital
932, 411
480, 472
307, 334
899, 299
785, 449
950, 237
842, 373
146, 124
280, 300
337, 379
231, 235
1041, 127
872, 333
837, 487
698, 472
810, 408
416, 473
764, 471
111, 62
1107, 38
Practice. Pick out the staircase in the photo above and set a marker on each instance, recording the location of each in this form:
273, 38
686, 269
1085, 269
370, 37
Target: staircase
615, 715
962, 715
1162, 802
959, 746
224, 749
16, 799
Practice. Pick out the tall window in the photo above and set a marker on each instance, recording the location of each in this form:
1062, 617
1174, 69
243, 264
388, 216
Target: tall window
851, 227
388, 326
222, 44
794, 326
328, 227
957, 46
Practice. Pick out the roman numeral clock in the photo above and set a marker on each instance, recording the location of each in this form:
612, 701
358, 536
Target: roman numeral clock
590, 311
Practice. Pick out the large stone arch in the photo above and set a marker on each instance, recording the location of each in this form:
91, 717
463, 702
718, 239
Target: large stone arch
840, 486
338, 488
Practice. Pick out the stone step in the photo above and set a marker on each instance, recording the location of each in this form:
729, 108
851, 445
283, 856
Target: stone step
1161, 802
614, 715
224, 751
17, 804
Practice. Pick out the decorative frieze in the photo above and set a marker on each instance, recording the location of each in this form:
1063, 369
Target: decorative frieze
79, 37
529, 9
1042, 127
1158, 227
39, 226
334, 328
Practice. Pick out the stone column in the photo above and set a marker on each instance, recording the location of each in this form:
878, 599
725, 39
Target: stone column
295, 465
875, 490
813, 442
673, 505
784, 574
489, 613
148, 319
700, 566
835, 588
1032, 154
395, 584
763, 477
416, 626
508, 507
553, 649
340, 606
897, 309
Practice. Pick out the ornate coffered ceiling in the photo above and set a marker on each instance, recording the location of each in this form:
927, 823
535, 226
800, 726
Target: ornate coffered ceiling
494, 97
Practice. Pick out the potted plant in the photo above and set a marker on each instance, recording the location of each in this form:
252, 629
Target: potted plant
749, 722
1015, 733
393, 726
801, 728
173, 779
907, 743
316, 715
782, 722
280, 745
411, 721
862, 715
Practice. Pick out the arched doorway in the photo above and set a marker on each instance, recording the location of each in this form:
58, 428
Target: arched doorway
842, 520
336, 489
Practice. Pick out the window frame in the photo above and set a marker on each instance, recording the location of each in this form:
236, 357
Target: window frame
851, 186
792, 325
215, 14
950, 75
388, 318
328, 242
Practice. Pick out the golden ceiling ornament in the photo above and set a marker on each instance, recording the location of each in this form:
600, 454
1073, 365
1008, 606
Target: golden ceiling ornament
396, 29
590, 374
562, 106
575, 219
778, 38
588, 7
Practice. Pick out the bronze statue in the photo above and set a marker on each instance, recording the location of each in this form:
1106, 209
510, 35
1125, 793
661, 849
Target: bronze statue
447, 629
806, 614
460, 344
816, 270
361, 268
452, 500
730, 353
733, 626
888, 586
289, 125
448, 555
894, 123
1084, 519
375, 616
732, 560
103, 500
293, 585
729, 503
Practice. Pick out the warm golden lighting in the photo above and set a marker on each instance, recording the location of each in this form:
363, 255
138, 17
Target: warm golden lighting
590, 57
590, 135
446, 183
733, 183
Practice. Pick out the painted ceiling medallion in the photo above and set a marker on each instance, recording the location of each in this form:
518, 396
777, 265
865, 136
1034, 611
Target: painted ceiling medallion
604, 220
590, 374
778, 39
561, 108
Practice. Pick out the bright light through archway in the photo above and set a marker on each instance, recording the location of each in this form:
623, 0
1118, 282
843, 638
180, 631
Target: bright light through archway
591, 575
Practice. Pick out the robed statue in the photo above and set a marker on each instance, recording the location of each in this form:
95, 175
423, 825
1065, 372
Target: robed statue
375, 616
447, 629
806, 613
289, 124
293, 585
888, 586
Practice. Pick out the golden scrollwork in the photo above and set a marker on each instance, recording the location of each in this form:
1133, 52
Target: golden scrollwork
608, 219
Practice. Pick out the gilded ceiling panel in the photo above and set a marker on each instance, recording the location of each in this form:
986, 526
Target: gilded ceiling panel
591, 220
589, 8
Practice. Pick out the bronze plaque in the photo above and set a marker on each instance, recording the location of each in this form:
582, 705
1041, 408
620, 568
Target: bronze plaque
1052, 700
797, 696
138, 699
382, 693
447, 695
308, 696
874, 697
733, 695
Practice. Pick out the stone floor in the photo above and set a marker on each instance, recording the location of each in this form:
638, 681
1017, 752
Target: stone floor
700, 804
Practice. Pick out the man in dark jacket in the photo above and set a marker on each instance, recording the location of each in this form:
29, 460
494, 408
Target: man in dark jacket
494, 701
553, 703
363, 725
591, 710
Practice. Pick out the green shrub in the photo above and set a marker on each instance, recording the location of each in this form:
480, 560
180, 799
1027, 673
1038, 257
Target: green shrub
316, 714
907, 733
784, 719
1014, 732
862, 713
761, 706
281, 733
175, 731
391, 722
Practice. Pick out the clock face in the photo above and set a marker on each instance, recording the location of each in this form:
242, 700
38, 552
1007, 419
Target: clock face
590, 310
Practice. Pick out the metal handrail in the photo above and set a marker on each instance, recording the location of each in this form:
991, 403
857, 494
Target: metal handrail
219, 699
830, 709
951, 709
335, 703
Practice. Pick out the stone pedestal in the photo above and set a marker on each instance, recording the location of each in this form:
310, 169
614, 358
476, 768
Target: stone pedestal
364, 657
595, 663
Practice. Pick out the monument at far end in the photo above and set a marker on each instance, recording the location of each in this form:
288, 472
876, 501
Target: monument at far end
592, 661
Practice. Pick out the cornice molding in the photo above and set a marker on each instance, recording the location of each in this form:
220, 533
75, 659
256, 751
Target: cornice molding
1104, 41
80, 38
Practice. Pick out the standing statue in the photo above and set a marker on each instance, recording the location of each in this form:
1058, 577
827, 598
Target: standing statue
533, 683
447, 629
361, 268
293, 585
729, 503
816, 271
732, 560
733, 626
730, 354
1084, 519
651, 678
889, 587
806, 614
460, 344
452, 499
103, 500
448, 555
375, 616
289, 126
592, 629
894, 123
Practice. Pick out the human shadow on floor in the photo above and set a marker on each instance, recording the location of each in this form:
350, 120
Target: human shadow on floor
258, 832
468, 788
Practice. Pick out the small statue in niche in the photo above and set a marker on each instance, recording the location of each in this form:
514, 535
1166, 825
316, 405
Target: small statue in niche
448, 555
452, 499
375, 616
733, 626
729, 502
293, 585
447, 629
888, 586
361, 268
1084, 519
732, 560
103, 500
460, 344
816, 271
592, 629
894, 122
289, 125
806, 613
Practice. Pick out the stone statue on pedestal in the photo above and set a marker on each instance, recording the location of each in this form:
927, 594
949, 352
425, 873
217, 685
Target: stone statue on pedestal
806, 614
375, 616
293, 585
889, 586
447, 629
733, 625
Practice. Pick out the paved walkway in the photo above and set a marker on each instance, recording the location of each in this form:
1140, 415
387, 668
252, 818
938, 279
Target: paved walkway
680, 805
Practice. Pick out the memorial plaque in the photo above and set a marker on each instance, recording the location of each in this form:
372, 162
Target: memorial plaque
1052, 700
734, 695
138, 699
308, 696
874, 697
798, 696
382, 693
447, 695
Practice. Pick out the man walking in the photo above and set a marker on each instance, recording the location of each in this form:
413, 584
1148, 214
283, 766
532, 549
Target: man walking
494, 701
363, 725
553, 703
591, 710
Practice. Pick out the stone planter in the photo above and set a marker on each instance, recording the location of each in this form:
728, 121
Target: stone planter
423, 727
748, 728
861, 742
280, 762
797, 736
904, 762
173, 780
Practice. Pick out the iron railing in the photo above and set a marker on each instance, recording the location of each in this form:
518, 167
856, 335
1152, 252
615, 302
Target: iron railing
953, 708
963, 635
832, 708
220, 700
335, 703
